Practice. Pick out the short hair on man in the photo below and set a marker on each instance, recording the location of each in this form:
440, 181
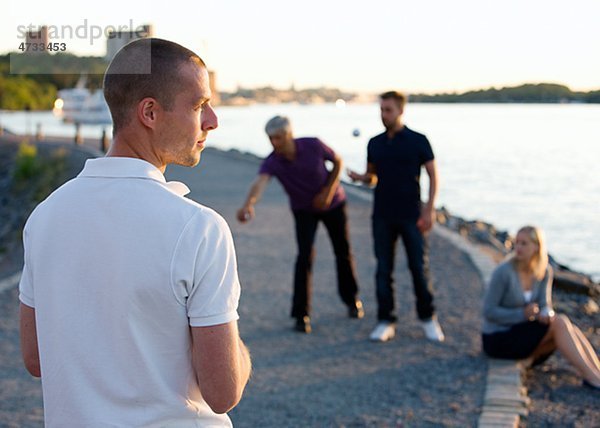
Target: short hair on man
144, 68
397, 96
277, 124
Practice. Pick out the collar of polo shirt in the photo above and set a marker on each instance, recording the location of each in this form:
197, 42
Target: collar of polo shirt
121, 167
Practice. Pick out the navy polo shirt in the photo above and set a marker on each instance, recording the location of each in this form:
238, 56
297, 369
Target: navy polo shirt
398, 162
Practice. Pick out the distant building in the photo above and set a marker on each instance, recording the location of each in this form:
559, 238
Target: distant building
37, 37
117, 39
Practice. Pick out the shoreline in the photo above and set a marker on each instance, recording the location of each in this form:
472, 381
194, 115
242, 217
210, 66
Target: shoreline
495, 242
252, 103
319, 374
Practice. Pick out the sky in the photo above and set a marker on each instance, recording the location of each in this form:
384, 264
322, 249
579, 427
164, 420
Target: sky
424, 46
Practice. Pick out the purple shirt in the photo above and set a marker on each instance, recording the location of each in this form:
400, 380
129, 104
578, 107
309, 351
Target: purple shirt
305, 176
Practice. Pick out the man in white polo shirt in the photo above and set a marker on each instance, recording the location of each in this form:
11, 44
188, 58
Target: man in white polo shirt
129, 291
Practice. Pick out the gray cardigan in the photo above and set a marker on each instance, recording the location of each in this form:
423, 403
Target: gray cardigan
504, 301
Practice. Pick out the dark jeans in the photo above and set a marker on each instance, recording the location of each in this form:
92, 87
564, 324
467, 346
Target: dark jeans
336, 223
385, 235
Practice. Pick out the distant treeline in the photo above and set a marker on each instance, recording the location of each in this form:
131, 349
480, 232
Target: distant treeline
528, 93
269, 94
39, 77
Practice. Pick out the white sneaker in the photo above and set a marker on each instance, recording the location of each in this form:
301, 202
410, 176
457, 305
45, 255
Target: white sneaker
383, 332
433, 331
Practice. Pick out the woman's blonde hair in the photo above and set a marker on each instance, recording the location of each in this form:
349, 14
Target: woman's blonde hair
539, 261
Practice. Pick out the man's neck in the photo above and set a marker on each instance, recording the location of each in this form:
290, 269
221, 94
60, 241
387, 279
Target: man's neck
124, 146
289, 152
398, 126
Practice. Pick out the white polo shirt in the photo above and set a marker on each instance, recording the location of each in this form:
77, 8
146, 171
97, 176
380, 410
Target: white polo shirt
118, 265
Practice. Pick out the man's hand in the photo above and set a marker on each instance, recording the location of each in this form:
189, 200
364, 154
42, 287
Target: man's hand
426, 219
323, 199
354, 176
369, 177
245, 213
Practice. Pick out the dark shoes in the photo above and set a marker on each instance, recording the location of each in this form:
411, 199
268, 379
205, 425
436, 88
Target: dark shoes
303, 324
356, 311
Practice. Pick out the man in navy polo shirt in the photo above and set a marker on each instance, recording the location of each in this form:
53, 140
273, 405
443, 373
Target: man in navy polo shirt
394, 162
315, 195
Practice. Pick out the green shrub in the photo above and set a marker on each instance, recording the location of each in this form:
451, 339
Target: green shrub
38, 174
27, 164
52, 174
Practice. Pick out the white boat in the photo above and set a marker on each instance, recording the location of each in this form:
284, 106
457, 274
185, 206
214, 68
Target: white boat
80, 105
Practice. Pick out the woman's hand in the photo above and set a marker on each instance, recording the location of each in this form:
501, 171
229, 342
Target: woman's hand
531, 311
546, 317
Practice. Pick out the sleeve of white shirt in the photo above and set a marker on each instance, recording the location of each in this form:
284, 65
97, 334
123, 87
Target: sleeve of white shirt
210, 281
26, 284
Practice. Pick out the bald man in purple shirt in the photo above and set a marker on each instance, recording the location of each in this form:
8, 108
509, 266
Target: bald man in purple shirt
315, 195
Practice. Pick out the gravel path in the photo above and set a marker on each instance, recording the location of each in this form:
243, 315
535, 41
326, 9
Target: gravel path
335, 376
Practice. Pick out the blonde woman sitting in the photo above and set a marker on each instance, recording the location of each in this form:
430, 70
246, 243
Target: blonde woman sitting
518, 318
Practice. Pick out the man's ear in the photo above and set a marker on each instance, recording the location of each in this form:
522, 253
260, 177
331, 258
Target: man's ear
147, 112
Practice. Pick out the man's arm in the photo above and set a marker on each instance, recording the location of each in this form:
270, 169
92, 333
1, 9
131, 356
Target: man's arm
323, 199
369, 178
246, 213
427, 218
222, 365
29, 344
